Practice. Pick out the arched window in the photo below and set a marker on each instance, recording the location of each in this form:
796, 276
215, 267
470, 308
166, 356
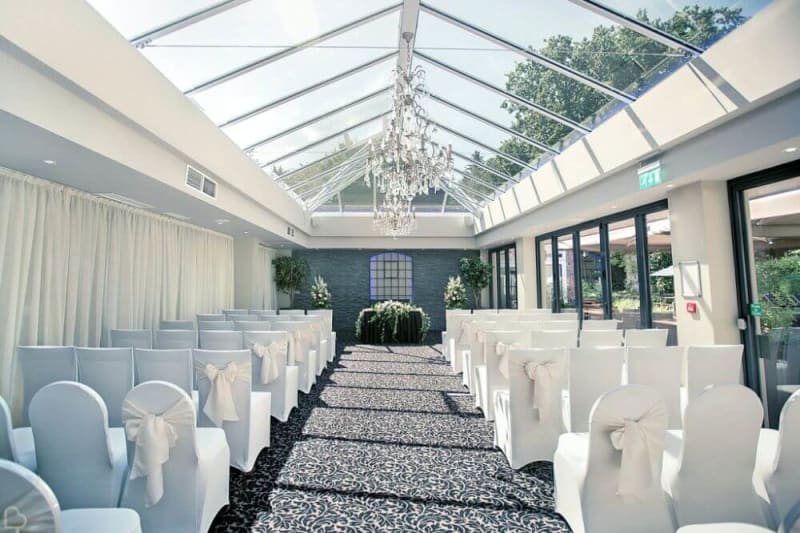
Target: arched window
390, 276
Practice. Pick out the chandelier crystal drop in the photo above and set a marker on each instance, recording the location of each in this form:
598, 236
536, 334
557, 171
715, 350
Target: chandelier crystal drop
407, 162
395, 217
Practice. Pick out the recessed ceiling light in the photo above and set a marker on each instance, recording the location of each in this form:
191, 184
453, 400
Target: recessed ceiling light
176, 215
669, 186
221, 221
245, 232
614, 207
788, 150
49, 162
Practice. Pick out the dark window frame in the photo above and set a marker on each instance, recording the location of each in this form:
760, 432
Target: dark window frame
494, 258
383, 287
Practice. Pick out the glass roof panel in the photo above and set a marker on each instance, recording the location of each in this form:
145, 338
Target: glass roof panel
148, 14
254, 30
298, 71
307, 107
680, 17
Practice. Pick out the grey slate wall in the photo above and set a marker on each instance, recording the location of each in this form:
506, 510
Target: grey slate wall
347, 275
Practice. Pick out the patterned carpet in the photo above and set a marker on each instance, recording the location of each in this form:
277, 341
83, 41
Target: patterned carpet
388, 440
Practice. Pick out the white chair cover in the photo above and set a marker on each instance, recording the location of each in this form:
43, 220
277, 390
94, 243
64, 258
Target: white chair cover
493, 375
234, 311
301, 354
292, 312
131, 338
227, 401
15, 444
82, 460
282, 389
474, 356
42, 365
659, 368
267, 314
211, 318
193, 467
610, 481
29, 506
320, 338
263, 312
244, 317
327, 316
708, 473
528, 414
252, 325
603, 325
174, 339
456, 339
592, 372
565, 316
216, 325
221, 340
712, 365
649, 338
109, 372
177, 324
172, 366
546, 338
601, 338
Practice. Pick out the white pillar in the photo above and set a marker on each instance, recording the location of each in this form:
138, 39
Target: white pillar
526, 273
701, 231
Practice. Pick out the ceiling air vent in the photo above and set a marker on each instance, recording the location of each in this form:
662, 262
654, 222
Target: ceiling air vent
200, 182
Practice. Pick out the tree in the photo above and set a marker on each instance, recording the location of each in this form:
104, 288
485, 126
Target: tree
476, 275
291, 274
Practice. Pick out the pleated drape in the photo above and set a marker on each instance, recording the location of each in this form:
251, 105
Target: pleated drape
73, 266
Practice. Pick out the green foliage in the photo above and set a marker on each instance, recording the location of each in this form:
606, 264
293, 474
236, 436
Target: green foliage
661, 287
455, 294
388, 315
778, 280
476, 275
291, 274
320, 295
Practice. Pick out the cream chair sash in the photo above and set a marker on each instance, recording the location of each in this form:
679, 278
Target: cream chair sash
301, 337
269, 354
641, 443
502, 349
467, 331
153, 435
219, 406
30, 513
543, 374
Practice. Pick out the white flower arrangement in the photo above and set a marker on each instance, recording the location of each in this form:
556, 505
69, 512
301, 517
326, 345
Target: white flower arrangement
455, 294
320, 295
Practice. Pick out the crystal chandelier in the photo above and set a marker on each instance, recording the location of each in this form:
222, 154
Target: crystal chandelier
407, 163
396, 216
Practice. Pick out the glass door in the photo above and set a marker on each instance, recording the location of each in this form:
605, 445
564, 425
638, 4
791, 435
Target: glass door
592, 270
766, 213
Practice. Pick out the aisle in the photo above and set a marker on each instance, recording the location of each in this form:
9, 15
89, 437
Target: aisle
388, 441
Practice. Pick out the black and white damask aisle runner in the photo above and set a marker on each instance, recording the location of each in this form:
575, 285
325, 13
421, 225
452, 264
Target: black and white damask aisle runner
388, 440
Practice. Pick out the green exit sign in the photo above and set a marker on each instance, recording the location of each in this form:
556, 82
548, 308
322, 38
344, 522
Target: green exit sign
650, 176
756, 310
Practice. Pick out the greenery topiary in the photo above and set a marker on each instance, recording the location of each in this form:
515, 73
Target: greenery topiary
455, 294
476, 275
291, 274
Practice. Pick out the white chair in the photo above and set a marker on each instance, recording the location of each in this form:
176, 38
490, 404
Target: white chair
708, 471
221, 340
291, 312
554, 339
778, 461
659, 368
592, 373
724, 527
131, 338
172, 366
300, 353
570, 316
109, 372
227, 401
174, 339
320, 338
42, 365
590, 325
457, 339
528, 417
241, 317
267, 312
327, 315
493, 375
30, 505
177, 324
597, 338
271, 370
227, 312
178, 483
77, 454
474, 355
252, 325
15, 444
609, 480
712, 365
652, 338
211, 318
215, 325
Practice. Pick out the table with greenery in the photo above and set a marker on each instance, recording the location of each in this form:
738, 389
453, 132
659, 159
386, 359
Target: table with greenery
392, 322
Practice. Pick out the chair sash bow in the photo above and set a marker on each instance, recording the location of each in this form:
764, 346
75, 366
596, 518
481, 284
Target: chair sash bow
269, 354
30, 513
467, 331
301, 339
501, 349
154, 435
543, 374
641, 443
219, 406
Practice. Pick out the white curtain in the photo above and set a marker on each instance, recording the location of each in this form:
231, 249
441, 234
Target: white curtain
263, 282
73, 266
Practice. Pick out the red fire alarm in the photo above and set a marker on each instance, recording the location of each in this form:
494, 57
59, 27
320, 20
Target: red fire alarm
691, 307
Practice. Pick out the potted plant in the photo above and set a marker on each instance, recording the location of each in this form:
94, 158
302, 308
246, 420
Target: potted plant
291, 274
320, 295
476, 275
455, 294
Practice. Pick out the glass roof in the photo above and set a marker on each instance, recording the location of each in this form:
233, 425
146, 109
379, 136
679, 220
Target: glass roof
302, 86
